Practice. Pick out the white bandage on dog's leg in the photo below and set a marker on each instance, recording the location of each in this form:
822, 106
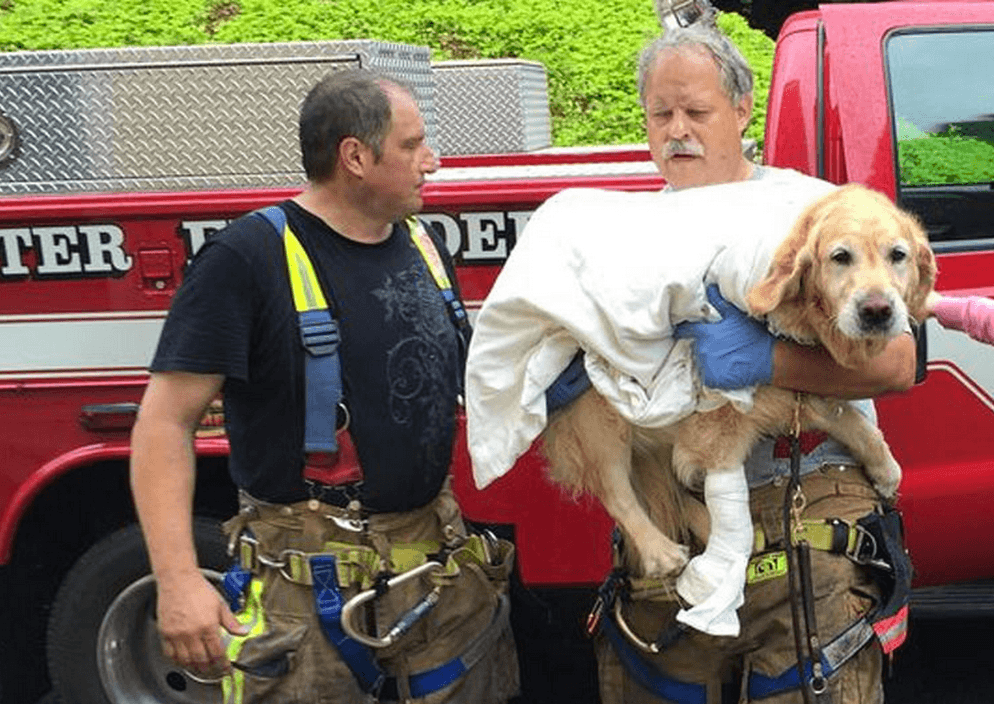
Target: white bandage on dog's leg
715, 580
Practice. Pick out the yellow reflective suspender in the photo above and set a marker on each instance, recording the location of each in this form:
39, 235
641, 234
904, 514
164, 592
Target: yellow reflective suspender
319, 336
307, 294
433, 261
428, 252
319, 329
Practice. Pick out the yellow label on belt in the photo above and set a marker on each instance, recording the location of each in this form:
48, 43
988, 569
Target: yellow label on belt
768, 566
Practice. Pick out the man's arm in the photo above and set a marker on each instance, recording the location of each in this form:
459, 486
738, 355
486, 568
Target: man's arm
163, 466
812, 369
738, 351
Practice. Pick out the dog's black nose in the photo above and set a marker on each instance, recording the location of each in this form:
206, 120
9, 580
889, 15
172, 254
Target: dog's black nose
875, 314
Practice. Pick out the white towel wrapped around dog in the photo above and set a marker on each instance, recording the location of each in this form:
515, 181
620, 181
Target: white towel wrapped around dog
612, 273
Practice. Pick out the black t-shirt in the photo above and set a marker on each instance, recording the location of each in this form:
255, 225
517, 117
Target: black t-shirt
399, 351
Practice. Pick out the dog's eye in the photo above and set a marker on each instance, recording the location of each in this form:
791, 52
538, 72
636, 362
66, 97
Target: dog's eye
842, 256
897, 256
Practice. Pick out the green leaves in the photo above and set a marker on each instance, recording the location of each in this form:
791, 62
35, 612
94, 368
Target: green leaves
945, 158
590, 49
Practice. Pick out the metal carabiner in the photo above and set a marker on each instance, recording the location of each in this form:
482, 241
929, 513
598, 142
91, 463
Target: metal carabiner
406, 621
630, 634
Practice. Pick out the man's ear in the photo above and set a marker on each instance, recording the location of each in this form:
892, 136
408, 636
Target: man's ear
743, 112
354, 156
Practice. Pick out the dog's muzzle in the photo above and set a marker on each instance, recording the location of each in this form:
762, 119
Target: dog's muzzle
877, 314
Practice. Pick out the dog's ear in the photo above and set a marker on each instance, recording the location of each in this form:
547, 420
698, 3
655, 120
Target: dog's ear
791, 261
925, 266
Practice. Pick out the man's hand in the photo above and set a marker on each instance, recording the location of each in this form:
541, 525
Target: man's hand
191, 614
734, 352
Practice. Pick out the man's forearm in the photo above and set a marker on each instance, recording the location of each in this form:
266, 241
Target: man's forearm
162, 482
812, 370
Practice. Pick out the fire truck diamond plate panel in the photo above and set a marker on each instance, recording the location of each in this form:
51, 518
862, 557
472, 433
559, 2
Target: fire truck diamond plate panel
176, 117
492, 106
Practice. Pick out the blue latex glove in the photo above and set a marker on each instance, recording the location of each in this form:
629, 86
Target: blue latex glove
732, 353
568, 386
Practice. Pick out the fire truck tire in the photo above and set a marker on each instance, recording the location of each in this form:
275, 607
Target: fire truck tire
103, 619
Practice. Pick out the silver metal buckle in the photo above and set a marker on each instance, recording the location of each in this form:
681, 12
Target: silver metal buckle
286, 562
355, 525
864, 552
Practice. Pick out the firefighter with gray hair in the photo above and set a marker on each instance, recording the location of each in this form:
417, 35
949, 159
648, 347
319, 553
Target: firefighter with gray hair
819, 610
331, 325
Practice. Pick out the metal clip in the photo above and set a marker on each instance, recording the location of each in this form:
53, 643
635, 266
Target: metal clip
798, 503
491, 548
264, 559
864, 550
355, 525
629, 633
404, 624
594, 617
286, 569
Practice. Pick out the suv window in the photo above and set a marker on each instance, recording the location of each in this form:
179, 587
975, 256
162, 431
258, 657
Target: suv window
942, 100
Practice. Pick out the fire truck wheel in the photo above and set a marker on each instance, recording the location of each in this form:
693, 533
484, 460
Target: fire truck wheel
103, 646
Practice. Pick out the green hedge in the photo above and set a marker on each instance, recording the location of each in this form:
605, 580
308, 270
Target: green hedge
943, 158
588, 48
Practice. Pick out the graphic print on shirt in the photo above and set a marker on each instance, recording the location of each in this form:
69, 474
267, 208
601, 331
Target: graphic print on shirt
416, 364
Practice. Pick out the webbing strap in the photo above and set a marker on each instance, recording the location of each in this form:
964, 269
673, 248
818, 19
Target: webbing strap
648, 675
319, 336
328, 603
424, 683
429, 253
829, 535
359, 658
762, 686
319, 329
359, 564
834, 655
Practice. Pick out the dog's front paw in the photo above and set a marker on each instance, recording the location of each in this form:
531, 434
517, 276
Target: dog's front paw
885, 477
663, 560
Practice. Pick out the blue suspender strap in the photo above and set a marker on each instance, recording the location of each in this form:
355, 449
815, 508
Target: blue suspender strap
322, 380
647, 675
320, 337
328, 602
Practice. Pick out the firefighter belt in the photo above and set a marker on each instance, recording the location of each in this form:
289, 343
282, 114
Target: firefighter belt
389, 607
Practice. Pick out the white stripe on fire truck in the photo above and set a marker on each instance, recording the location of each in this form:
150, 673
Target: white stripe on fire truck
32, 346
969, 361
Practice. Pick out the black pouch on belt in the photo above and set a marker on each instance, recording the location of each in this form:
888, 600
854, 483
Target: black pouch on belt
890, 566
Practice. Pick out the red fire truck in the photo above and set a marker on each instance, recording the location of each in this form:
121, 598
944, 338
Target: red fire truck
97, 222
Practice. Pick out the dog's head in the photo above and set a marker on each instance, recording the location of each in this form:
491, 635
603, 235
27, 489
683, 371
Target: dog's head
852, 270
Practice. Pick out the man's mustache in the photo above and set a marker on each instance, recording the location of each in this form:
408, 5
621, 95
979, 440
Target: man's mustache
682, 147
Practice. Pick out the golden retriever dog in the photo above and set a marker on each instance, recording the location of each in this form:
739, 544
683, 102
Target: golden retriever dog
850, 273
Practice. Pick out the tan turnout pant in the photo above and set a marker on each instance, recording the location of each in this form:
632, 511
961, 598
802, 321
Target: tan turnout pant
843, 592
467, 607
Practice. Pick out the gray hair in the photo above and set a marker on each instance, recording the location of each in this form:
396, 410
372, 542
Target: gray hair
736, 75
346, 103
